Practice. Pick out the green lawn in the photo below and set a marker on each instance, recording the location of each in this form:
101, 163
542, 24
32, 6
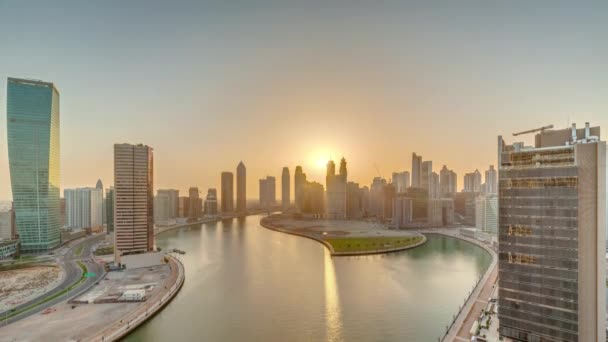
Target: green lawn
347, 245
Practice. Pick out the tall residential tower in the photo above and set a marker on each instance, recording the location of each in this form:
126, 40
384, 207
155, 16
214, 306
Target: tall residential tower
241, 188
285, 189
552, 221
133, 199
32, 112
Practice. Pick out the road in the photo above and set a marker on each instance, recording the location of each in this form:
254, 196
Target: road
67, 258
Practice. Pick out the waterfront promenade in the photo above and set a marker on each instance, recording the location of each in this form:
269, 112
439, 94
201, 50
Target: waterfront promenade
478, 298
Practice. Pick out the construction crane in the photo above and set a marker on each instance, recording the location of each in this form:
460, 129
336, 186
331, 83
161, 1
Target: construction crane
542, 129
378, 170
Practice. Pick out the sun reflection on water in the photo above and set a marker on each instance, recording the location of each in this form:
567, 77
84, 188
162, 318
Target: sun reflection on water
333, 315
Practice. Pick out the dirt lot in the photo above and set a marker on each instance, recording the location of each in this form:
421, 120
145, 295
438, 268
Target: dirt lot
21, 285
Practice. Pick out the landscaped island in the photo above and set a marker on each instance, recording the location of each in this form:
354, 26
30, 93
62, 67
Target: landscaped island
345, 237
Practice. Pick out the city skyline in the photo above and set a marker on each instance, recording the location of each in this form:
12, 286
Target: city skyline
402, 91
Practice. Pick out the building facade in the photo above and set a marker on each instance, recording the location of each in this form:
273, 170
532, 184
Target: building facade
403, 212
83, 208
133, 199
285, 189
268, 192
110, 210
299, 181
552, 223
211, 203
241, 188
491, 180
416, 170
335, 185
227, 192
486, 213
196, 203
32, 112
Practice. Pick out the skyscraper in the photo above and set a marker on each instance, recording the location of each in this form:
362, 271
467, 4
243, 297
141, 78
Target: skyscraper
110, 209
83, 208
99, 186
401, 181
416, 170
447, 182
134, 199
166, 205
267, 192
486, 213
299, 183
227, 199
241, 188
491, 180
552, 221
426, 175
32, 111
211, 202
336, 190
472, 182
285, 189
196, 203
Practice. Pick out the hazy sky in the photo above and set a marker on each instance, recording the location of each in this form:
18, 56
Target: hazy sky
272, 84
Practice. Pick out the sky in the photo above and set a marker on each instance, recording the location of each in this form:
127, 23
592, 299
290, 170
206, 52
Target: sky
280, 83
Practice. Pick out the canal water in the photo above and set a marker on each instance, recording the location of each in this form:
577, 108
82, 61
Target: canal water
248, 283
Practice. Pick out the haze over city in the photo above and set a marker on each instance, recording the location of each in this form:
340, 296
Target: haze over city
275, 84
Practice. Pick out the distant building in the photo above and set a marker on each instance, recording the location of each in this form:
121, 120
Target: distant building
285, 189
416, 170
448, 183
166, 205
420, 200
472, 182
355, 197
196, 204
403, 211
314, 199
227, 192
211, 203
388, 195
267, 192
376, 199
8, 230
299, 184
426, 175
440, 212
83, 208
134, 199
434, 186
552, 221
110, 210
32, 116
491, 181
62, 212
183, 207
99, 185
241, 188
335, 185
486, 213
401, 181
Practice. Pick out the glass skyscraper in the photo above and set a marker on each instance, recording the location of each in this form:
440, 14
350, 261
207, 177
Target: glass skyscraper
33, 154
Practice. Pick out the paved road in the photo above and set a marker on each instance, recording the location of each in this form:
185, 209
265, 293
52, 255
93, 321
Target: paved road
67, 259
